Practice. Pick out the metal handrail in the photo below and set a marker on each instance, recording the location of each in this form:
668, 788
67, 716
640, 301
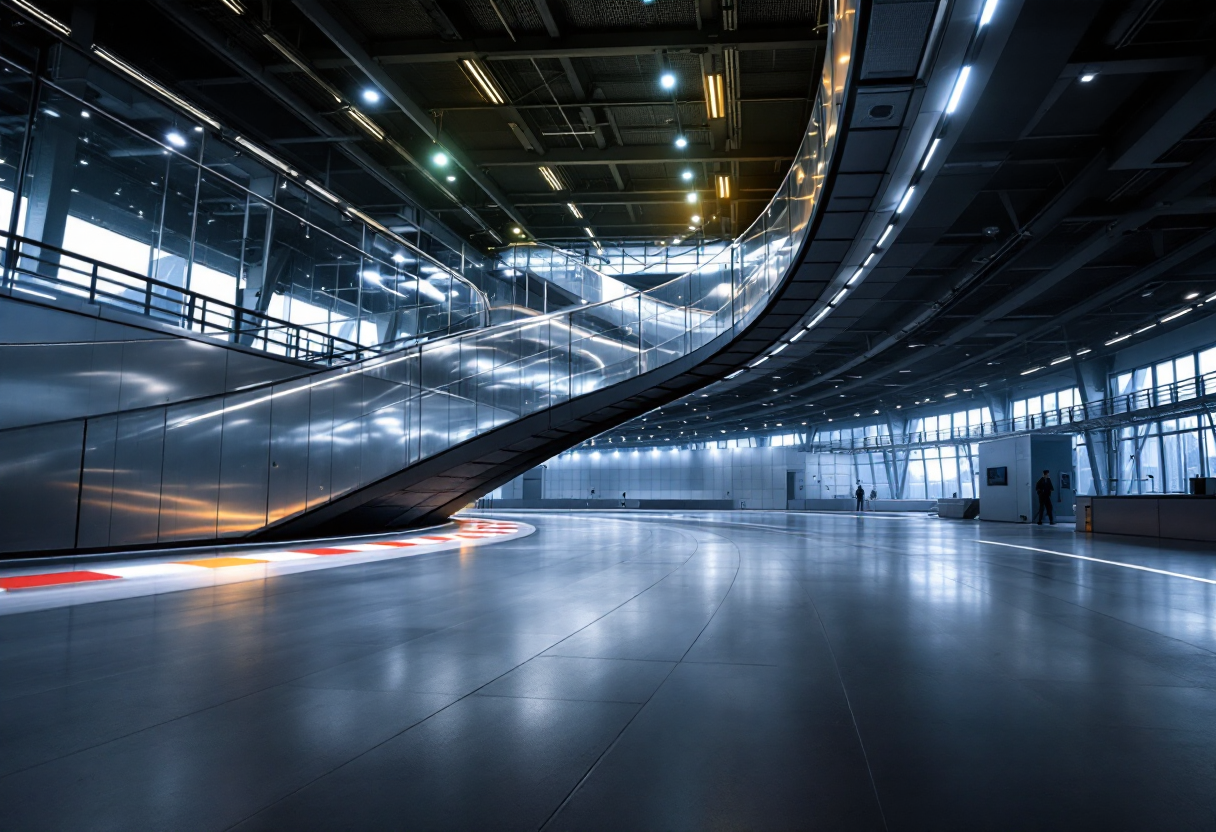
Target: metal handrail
27, 267
1189, 394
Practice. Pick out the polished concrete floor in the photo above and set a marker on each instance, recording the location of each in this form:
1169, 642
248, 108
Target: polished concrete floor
638, 671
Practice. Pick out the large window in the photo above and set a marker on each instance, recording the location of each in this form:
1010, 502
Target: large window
1045, 409
1162, 456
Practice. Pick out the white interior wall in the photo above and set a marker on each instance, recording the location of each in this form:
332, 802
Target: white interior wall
752, 476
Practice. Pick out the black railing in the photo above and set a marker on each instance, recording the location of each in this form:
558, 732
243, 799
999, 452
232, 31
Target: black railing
38, 270
1178, 398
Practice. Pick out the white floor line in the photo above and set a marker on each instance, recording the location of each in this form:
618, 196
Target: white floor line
1100, 560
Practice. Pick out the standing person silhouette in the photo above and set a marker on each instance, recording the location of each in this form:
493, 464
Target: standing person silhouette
860, 494
1042, 490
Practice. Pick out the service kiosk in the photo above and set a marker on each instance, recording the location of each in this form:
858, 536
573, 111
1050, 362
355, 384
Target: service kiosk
1009, 468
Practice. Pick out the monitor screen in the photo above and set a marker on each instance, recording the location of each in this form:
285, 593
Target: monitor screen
998, 476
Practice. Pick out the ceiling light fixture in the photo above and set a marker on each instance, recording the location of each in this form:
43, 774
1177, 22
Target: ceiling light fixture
1117, 340
265, 157
686, 176
929, 155
308, 183
715, 99
483, 81
135, 74
1088, 76
303, 65
903, 203
371, 96
43, 18
667, 81
369, 126
550, 178
450, 177
692, 197
988, 12
1174, 315
681, 142
885, 235
578, 215
956, 94
176, 139
588, 232
696, 218
440, 159
723, 183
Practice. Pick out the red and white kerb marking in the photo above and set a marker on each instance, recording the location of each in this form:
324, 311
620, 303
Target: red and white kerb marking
470, 532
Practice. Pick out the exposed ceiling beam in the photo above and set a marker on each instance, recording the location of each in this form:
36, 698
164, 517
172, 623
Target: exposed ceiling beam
320, 13
634, 197
576, 45
648, 154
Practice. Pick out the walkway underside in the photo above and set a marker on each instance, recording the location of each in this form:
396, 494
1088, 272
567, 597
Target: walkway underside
729, 671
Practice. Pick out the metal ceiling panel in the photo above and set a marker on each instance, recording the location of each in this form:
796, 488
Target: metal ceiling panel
898, 30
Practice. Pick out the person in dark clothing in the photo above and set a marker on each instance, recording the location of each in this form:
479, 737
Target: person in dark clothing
860, 494
1043, 489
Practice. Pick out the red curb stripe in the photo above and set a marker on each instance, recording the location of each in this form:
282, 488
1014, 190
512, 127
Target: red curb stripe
54, 579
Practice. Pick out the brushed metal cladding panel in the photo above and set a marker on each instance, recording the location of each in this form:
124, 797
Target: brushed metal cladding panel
45, 383
32, 323
190, 487
289, 431
346, 456
40, 486
242, 369
244, 464
346, 459
196, 370
868, 151
97, 483
383, 442
138, 453
320, 444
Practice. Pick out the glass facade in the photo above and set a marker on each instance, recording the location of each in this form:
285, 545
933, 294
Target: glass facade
169, 207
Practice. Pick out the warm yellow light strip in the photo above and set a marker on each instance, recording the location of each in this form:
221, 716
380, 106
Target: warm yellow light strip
483, 81
550, 178
715, 98
578, 215
236, 7
723, 182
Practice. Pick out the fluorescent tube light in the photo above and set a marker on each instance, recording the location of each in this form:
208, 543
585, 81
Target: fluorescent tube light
988, 12
959, 85
483, 81
265, 157
578, 215
366, 123
929, 155
1117, 340
550, 177
43, 18
318, 189
884, 236
1174, 315
715, 98
135, 74
903, 203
